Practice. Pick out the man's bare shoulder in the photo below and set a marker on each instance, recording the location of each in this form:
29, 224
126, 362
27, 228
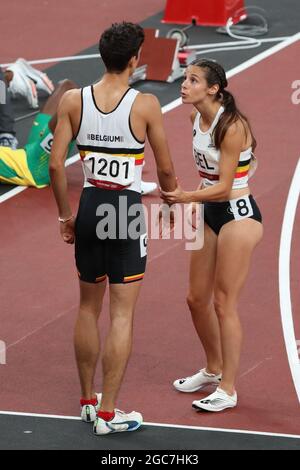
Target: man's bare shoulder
147, 104
71, 100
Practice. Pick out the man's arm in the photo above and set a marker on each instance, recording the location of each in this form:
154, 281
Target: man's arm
63, 135
158, 141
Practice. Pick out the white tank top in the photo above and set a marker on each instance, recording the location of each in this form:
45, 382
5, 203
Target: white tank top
207, 157
112, 157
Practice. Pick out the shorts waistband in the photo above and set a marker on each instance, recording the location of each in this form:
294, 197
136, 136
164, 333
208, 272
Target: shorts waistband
225, 203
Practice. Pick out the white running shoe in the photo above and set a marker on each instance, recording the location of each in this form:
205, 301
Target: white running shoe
27, 80
217, 401
147, 187
89, 412
197, 381
120, 423
41, 79
23, 86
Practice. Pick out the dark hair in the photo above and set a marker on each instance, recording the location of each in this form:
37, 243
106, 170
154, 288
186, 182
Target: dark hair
215, 75
119, 44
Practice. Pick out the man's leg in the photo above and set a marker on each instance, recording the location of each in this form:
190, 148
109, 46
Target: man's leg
7, 126
42, 122
39, 142
8, 75
86, 337
52, 102
118, 343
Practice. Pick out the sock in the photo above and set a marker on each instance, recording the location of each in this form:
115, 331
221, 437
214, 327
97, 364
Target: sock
211, 375
106, 415
92, 401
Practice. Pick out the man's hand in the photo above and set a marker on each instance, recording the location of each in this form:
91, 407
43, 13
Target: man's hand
67, 231
177, 196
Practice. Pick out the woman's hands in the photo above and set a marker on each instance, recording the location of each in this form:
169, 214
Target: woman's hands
177, 196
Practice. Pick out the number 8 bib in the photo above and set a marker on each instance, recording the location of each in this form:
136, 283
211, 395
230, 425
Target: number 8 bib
241, 207
109, 172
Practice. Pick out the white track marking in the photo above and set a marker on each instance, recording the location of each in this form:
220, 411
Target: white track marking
12, 192
284, 278
162, 425
59, 59
233, 43
97, 56
244, 66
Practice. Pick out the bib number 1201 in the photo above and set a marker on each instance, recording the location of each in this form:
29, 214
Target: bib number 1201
108, 171
112, 168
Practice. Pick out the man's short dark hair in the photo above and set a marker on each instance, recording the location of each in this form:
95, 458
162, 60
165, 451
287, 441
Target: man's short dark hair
119, 44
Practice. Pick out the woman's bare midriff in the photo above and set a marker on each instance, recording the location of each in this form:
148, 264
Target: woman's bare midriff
236, 193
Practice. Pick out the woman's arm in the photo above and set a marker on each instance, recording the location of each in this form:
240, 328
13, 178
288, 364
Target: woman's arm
231, 148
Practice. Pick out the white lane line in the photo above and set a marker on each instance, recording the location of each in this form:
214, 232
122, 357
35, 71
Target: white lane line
234, 43
59, 59
225, 430
163, 425
12, 192
174, 104
72, 160
284, 279
245, 65
19, 189
39, 415
97, 55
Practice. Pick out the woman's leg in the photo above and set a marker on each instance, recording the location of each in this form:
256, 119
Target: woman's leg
200, 300
236, 242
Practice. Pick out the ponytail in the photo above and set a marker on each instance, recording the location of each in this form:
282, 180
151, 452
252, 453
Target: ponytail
230, 115
229, 102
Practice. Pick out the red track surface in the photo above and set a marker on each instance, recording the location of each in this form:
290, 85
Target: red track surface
42, 29
39, 287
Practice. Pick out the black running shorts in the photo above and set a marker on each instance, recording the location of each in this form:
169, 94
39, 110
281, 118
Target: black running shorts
217, 214
110, 236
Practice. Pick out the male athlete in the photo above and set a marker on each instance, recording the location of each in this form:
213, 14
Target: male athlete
110, 122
